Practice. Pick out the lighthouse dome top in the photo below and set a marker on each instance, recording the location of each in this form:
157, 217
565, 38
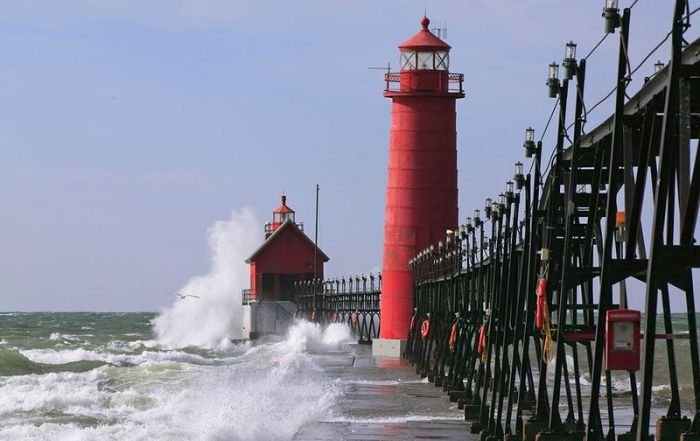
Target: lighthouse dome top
283, 208
424, 40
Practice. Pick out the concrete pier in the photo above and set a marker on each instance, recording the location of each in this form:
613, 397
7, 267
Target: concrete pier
384, 399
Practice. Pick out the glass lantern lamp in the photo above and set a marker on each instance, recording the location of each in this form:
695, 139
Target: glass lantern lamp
518, 176
502, 201
611, 14
553, 80
509, 190
569, 62
529, 143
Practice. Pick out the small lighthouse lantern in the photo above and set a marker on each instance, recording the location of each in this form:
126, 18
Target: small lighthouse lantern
281, 215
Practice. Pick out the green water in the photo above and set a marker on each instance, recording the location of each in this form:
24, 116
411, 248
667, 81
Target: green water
104, 376
99, 376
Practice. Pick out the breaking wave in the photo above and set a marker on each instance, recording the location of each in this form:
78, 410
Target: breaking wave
213, 317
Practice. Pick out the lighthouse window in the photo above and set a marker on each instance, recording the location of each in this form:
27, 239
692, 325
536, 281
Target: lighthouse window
442, 60
425, 60
408, 60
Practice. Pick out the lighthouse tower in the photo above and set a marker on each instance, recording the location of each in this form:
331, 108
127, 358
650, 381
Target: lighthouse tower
421, 193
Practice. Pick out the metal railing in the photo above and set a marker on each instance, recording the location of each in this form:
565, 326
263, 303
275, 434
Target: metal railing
455, 81
268, 227
510, 326
247, 296
350, 300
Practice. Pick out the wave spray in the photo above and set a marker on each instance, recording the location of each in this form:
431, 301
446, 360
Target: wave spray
213, 319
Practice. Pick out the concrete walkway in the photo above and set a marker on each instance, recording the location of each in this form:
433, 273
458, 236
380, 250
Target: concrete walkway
384, 399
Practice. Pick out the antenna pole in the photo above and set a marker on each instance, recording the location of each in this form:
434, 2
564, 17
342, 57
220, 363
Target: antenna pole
316, 247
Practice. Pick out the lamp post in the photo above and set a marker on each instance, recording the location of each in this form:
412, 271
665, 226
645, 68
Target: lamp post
510, 193
518, 176
553, 80
611, 13
495, 210
462, 245
478, 247
497, 328
569, 62
487, 207
529, 143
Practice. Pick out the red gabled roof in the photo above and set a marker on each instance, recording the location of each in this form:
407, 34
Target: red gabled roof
288, 224
424, 40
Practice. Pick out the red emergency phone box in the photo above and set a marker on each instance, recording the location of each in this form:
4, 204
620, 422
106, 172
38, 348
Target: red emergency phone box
622, 339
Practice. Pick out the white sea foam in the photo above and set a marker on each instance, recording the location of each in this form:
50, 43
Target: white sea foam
214, 318
57, 336
310, 336
55, 356
268, 393
55, 392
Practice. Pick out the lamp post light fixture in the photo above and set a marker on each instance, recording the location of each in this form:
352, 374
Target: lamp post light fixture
658, 66
529, 143
502, 200
477, 218
509, 191
518, 177
487, 207
611, 13
569, 62
553, 80
495, 210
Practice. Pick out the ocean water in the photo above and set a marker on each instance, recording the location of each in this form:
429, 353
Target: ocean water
174, 375
103, 376
107, 376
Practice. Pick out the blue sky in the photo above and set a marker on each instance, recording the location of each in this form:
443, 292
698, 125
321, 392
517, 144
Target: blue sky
129, 127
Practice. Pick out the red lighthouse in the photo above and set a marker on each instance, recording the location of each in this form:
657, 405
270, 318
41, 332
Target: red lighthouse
421, 193
285, 257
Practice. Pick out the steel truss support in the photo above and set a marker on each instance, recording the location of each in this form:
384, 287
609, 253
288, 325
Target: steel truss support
478, 329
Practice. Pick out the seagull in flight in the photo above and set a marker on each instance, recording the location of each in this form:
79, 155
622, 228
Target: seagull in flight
182, 296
